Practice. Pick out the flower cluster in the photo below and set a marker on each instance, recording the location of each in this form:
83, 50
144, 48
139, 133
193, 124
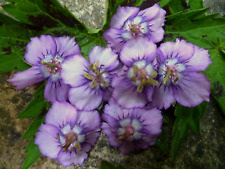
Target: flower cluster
132, 74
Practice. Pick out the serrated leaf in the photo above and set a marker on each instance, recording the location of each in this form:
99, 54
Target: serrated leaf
33, 153
33, 128
106, 165
216, 71
185, 117
195, 4
36, 106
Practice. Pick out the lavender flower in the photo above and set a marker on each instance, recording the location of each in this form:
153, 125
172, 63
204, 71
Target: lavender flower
91, 82
130, 23
131, 129
68, 135
137, 75
46, 54
179, 63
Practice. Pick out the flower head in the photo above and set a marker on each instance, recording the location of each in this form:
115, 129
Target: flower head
131, 129
130, 23
178, 66
91, 82
67, 134
46, 55
137, 75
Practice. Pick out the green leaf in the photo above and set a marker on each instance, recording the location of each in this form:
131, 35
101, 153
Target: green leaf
33, 128
216, 71
185, 117
177, 5
138, 3
106, 165
163, 3
161, 142
195, 4
33, 154
36, 106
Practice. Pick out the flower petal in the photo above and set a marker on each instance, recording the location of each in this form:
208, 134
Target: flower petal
66, 46
111, 135
199, 61
150, 13
73, 69
26, 78
105, 58
68, 158
180, 50
60, 114
138, 49
85, 98
162, 97
192, 90
121, 15
128, 97
92, 137
46, 139
38, 48
156, 36
113, 38
89, 119
56, 91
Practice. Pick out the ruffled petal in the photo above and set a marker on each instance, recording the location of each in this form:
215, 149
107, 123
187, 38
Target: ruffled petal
157, 35
60, 114
199, 61
85, 98
46, 139
105, 57
113, 38
26, 78
38, 48
66, 46
69, 158
180, 50
92, 137
121, 15
192, 90
73, 69
56, 91
162, 97
110, 134
138, 49
150, 13
89, 119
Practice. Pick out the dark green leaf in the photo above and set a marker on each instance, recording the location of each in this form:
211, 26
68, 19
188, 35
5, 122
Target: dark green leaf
33, 154
36, 106
138, 2
107, 165
161, 142
195, 4
177, 5
163, 3
33, 128
185, 117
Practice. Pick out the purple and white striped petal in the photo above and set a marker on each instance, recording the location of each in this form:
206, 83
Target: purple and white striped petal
26, 78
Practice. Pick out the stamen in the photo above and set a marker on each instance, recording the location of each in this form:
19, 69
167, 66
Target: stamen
168, 74
78, 146
95, 66
90, 67
105, 83
48, 64
135, 69
133, 79
140, 88
93, 84
88, 76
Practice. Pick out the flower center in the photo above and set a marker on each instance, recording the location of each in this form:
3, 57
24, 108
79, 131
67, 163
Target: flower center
71, 139
142, 74
135, 28
97, 75
128, 133
171, 72
52, 64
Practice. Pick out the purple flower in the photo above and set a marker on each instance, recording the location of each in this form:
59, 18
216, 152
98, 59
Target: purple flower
91, 82
129, 23
68, 135
137, 75
46, 54
131, 129
179, 63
